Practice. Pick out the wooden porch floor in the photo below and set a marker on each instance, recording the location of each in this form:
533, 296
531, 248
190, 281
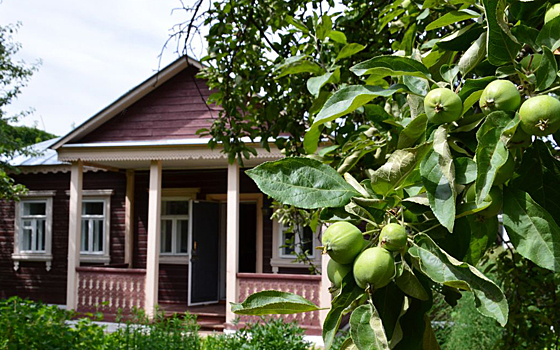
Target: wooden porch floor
209, 317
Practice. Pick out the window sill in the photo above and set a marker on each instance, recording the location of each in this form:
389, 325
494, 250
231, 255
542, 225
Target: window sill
91, 258
174, 259
47, 258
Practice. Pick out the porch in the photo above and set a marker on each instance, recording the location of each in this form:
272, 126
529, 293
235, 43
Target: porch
116, 291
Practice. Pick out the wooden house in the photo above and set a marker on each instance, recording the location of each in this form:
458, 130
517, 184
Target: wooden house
132, 209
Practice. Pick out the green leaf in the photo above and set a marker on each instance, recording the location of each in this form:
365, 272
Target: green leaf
349, 50
383, 66
348, 99
465, 170
473, 56
461, 39
539, 175
348, 344
302, 182
531, 229
311, 139
451, 18
471, 100
367, 330
389, 302
491, 152
546, 72
438, 176
337, 36
526, 35
409, 284
271, 302
501, 48
297, 23
324, 27
348, 294
472, 85
315, 84
398, 167
412, 132
300, 66
549, 35
442, 268
482, 232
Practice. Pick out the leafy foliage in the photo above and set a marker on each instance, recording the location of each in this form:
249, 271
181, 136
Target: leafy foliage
14, 76
355, 77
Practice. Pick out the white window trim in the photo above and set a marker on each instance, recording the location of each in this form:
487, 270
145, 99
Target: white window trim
97, 196
46, 256
279, 260
177, 195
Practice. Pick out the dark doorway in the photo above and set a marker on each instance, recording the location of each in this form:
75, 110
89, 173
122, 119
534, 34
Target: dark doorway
247, 237
204, 263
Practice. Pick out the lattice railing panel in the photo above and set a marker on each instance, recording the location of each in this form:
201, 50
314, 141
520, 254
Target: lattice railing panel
306, 286
109, 290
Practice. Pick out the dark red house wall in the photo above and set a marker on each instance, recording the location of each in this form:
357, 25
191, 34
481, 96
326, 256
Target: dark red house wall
32, 280
175, 110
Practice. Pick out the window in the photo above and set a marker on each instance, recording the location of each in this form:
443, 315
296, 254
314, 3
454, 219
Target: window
93, 226
297, 240
95, 231
283, 253
174, 227
33, 225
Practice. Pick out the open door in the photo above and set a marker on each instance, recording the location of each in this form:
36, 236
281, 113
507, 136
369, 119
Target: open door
204, 253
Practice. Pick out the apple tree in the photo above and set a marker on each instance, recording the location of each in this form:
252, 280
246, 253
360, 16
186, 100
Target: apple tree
430, 119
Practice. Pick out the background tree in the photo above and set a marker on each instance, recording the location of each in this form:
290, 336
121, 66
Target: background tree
365, 78
14, 76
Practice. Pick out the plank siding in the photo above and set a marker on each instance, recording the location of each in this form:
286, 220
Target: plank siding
175, 110
32, 280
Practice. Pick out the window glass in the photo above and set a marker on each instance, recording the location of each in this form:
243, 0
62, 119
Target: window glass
306, 240
84, 240
93, 208
26, 242
166, 236
175, 208
33, 208
288, 242
97, 228
182, 237
41, 226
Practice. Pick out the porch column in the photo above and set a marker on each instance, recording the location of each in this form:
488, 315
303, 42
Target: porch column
74, 233
152, 260
324, 294
129, 218
232, 239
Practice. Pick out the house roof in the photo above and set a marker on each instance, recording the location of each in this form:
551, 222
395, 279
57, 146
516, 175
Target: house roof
44, 155
127, 100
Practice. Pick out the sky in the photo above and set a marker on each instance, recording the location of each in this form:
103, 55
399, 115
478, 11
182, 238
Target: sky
92, 52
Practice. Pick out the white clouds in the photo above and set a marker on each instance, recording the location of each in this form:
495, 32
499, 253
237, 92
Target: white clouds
92, 53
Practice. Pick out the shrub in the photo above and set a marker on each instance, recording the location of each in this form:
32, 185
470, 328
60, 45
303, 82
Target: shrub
265, 335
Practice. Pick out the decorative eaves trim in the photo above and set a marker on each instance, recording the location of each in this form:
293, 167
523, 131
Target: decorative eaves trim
53, 169
147, 154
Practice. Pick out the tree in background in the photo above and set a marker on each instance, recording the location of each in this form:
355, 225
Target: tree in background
434, 115
14, 76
